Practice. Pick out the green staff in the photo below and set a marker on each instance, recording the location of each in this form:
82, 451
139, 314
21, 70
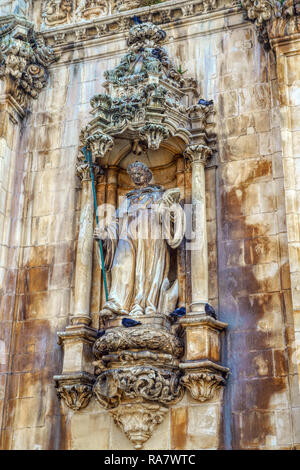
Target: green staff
88, 159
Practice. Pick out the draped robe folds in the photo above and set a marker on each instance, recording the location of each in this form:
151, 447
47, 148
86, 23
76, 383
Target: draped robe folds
137, 254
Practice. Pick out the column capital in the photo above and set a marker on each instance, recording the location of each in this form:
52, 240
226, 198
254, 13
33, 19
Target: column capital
197, 153
83, 170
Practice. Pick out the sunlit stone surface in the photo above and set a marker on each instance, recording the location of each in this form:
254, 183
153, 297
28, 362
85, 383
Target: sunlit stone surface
245, 57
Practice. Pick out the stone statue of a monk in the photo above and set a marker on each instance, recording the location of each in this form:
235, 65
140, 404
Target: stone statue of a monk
136, 251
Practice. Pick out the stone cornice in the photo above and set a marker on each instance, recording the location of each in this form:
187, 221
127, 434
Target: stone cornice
77, 35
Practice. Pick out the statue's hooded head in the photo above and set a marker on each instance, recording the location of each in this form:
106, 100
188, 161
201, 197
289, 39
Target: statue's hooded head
139, 173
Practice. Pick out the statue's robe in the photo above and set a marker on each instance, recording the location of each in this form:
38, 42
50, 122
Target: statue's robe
137, 255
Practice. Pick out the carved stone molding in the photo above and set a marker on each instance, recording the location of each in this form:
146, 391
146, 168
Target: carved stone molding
89, 9
24, 60
116, 22
138, 420
58, 12
75, 389
288, 24
146, 100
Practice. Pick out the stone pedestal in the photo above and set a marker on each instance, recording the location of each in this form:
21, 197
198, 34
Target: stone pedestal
203, 374
75, 383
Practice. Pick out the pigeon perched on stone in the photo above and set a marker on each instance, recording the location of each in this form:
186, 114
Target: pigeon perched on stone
205, 102
178, 313
209, 310
100, 333
157, 53
128, 322
137, 20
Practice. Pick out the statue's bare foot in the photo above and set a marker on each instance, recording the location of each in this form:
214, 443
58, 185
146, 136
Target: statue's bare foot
137, 310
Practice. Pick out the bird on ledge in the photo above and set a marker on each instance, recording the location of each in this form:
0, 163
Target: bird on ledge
137, 20
178, 313
209, 310
205, 102
100, 333
128, 322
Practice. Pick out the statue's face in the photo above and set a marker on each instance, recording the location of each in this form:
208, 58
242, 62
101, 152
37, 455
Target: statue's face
139, 176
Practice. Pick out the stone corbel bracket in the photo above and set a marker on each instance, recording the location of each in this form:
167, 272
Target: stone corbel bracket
75, 389
203, 374
273, 19
261, 12
137, 374
203, 379
24, 60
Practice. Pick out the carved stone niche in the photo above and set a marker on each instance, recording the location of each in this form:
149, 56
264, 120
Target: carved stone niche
144, 358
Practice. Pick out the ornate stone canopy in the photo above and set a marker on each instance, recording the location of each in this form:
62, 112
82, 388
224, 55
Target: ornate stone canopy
148, 103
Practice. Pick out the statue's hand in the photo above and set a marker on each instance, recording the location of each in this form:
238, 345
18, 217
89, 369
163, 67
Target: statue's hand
100, 233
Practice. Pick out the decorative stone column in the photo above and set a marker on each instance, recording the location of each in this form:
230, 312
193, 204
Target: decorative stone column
181, 265
197, 155
84, 255
77, 379
202, 373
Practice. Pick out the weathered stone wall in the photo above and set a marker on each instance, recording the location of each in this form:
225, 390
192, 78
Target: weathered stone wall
249, 264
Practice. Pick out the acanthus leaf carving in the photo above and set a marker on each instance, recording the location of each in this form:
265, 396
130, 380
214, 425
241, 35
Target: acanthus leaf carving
202, 385
153, 134
89, 9
100, 144
198, 153
76, 396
